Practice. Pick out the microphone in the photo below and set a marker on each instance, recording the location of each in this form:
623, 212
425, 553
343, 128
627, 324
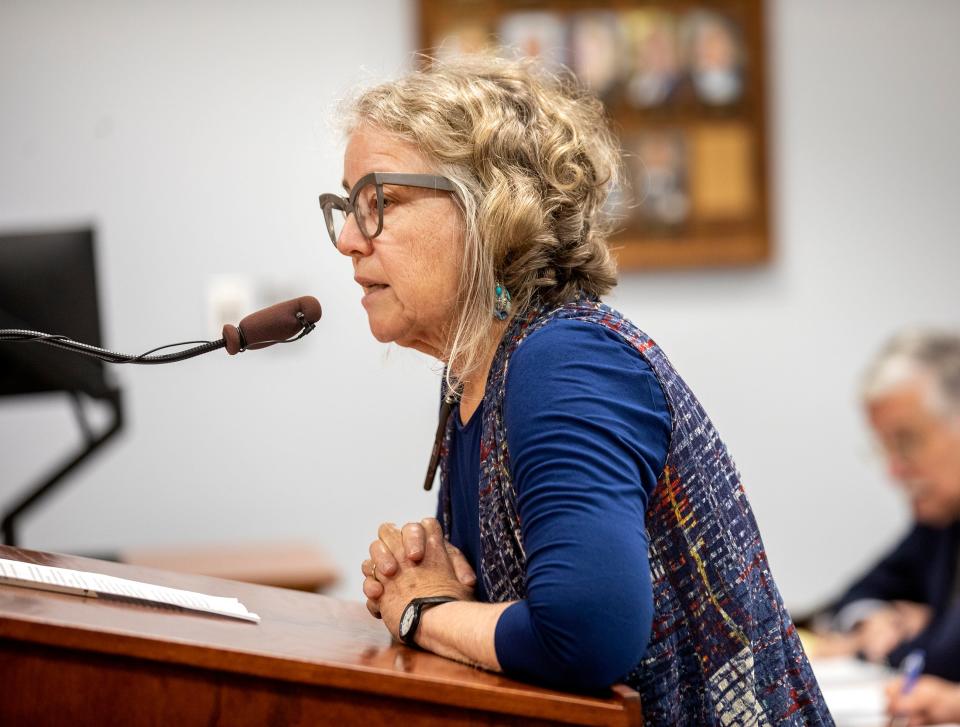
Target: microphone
280, 323
273, 325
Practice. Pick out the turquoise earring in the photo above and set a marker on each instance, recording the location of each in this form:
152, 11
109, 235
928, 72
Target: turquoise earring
502, 305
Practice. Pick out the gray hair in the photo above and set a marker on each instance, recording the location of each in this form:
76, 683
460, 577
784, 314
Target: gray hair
533, 159
918, 353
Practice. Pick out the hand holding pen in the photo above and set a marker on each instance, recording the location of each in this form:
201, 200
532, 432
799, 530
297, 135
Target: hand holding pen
931, 701
910, 670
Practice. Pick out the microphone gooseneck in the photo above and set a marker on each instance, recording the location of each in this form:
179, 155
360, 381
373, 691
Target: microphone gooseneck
281, 323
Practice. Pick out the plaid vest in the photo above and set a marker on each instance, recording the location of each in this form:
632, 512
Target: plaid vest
723, 650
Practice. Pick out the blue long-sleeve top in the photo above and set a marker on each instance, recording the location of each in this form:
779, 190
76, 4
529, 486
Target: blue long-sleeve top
587, 429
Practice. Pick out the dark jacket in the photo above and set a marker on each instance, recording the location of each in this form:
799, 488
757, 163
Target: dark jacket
922, 568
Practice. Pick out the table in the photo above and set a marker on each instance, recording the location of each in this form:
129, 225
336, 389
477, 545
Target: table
312, 660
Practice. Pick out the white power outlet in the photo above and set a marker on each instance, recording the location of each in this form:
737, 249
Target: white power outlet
229, 298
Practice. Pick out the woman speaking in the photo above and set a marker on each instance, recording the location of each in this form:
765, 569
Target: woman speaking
580, 478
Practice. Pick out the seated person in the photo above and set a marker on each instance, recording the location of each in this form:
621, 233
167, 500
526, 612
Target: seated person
931, 701
911, 598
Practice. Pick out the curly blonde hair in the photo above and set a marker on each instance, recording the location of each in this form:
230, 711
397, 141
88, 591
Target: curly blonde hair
533, 160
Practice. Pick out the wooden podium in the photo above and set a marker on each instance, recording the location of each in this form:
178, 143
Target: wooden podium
312, 660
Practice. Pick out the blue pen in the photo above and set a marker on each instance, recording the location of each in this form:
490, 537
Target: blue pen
910, 669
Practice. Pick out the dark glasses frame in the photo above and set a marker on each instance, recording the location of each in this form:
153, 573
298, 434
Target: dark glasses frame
329, 202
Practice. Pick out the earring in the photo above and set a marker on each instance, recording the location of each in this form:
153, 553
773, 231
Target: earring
502, 305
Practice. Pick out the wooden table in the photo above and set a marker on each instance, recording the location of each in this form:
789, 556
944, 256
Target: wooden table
312, 660
287, 564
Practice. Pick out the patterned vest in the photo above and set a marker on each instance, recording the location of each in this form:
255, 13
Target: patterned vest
723, 650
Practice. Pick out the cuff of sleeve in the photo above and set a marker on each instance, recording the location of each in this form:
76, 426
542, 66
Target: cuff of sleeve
515, 642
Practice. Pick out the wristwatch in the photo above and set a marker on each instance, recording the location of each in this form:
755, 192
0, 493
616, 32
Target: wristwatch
410, 618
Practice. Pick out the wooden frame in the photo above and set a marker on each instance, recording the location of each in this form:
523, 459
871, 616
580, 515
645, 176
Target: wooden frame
696, 153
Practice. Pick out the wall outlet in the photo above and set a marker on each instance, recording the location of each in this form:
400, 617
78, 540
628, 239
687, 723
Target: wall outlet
229, 298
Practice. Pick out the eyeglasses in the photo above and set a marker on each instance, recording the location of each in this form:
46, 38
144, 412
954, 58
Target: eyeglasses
365, 201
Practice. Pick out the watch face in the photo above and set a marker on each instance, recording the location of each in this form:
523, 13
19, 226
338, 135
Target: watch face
406, 620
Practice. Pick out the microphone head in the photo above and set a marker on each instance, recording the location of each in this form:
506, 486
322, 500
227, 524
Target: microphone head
270, 325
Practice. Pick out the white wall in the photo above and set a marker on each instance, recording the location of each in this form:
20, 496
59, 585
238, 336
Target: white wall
196, 136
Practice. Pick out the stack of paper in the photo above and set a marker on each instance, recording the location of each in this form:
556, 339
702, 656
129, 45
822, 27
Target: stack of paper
64, 580
854, 691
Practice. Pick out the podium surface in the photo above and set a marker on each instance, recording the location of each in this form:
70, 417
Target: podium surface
312, 660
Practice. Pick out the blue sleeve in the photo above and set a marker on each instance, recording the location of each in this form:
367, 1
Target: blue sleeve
587, 430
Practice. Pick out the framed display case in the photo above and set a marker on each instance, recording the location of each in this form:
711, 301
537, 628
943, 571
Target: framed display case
684, 84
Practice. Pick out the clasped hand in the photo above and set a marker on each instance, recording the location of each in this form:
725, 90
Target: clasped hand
414, 561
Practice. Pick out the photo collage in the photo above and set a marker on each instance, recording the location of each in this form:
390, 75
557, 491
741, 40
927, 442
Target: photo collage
679, 82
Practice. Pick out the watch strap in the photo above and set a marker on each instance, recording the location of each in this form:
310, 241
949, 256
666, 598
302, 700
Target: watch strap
419, 605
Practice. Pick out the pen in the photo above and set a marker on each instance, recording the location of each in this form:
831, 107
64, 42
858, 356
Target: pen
910, 669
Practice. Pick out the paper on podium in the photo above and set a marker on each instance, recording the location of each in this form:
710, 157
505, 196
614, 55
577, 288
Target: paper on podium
84, 583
